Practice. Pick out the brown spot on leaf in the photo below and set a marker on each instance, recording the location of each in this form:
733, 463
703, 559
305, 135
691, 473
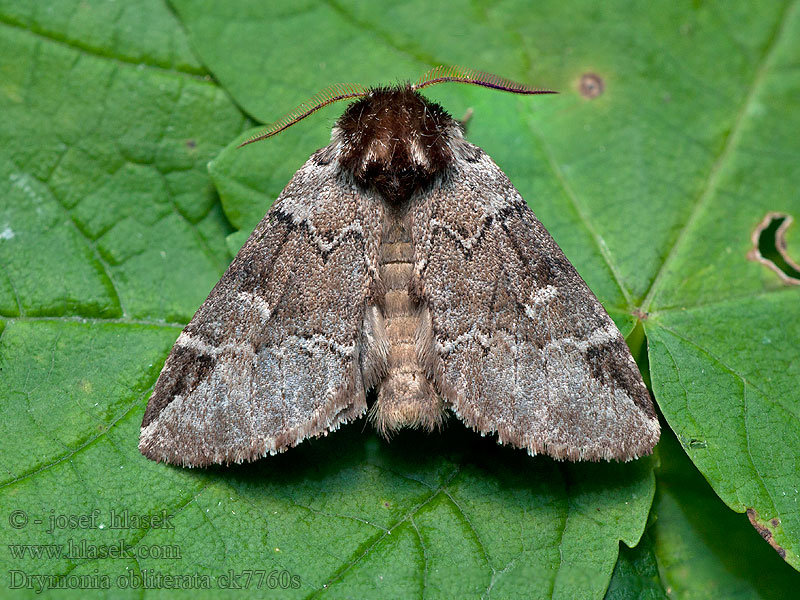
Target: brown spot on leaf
591, 85
769, 247
191, 143
765, 532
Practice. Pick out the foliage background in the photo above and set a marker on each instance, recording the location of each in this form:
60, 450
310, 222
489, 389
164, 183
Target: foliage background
114, 226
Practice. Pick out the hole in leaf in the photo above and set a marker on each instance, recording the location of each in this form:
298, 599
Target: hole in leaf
769, 247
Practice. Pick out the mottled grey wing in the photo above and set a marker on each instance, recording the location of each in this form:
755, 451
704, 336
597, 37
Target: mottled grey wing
521, 346
272, 356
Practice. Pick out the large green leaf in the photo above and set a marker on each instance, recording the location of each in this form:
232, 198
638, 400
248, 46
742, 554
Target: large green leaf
111, 235
703, 549
653, 189
636, 574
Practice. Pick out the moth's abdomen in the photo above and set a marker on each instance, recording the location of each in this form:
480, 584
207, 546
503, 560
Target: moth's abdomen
406, 397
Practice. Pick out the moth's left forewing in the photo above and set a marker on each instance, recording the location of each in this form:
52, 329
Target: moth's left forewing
519, 344
273, 355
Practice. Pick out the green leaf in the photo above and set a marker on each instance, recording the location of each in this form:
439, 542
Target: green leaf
723, 332
703, 549
143, 32
636, 574
112, 234
652, 189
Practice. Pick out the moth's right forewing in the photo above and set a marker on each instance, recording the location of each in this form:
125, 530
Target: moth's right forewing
519, 345
272, 356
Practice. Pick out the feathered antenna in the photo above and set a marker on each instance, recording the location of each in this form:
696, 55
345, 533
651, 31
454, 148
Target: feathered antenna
442, 74
345, 91
334, 93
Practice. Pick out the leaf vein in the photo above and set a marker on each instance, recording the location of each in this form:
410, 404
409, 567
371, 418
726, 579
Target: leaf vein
416, 508
730, 144
580, 210
74, 451
96, 52
384, 36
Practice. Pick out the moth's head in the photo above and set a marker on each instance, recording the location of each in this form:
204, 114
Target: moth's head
392, 139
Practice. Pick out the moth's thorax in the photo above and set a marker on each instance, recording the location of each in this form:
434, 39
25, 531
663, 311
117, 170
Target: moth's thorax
395, 141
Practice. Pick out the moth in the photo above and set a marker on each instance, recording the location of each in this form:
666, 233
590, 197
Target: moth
399, 259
